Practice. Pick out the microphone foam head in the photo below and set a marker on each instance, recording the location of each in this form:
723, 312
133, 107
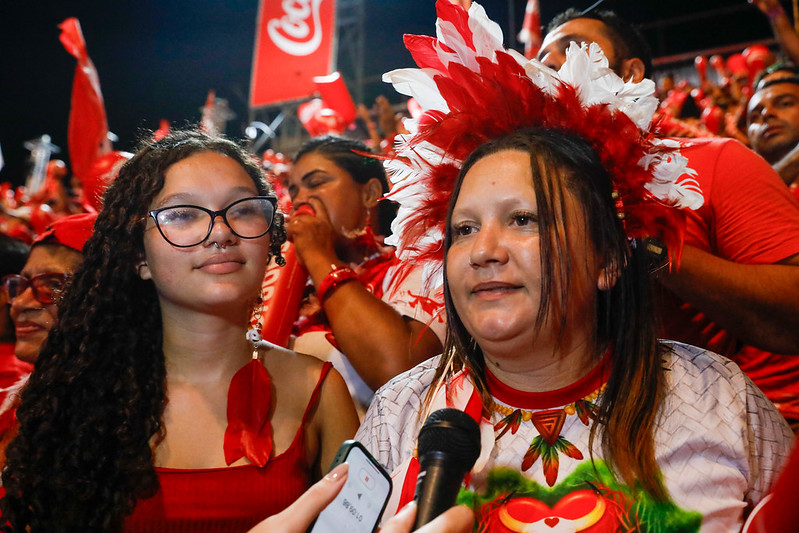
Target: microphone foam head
453, 432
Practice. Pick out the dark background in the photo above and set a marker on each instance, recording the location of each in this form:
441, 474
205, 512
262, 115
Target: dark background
159, 59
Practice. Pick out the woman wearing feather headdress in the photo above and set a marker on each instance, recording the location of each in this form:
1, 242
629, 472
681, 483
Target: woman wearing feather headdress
560, 206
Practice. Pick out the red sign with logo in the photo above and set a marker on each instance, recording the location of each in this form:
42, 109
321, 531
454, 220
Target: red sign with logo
293, 43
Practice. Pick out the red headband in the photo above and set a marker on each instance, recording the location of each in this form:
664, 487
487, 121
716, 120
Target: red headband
72, 231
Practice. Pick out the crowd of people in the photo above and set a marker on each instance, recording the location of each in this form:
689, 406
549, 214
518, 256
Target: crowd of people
600, 272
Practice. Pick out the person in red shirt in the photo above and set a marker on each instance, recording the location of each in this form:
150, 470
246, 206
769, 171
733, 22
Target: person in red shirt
737, 284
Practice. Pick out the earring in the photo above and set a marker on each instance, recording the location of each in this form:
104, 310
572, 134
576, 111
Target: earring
254, 333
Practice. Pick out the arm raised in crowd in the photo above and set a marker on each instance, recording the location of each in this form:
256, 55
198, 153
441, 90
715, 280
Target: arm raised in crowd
781, 25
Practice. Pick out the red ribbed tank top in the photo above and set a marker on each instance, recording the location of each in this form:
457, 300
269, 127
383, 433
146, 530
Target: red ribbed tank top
228, 500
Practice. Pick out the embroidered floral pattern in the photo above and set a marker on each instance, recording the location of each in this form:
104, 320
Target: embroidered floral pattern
549, 443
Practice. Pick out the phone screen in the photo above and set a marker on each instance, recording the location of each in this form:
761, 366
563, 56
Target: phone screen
358, 506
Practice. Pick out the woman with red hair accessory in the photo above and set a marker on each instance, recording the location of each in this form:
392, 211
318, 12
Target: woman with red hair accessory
547, 204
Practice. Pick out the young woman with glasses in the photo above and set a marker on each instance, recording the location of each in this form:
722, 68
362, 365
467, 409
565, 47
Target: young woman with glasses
149, 409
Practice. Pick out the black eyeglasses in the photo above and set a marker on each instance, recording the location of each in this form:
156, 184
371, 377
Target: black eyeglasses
189, 225
46, 287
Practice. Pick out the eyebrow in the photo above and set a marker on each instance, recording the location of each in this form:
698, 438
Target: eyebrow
191, 196
308, 175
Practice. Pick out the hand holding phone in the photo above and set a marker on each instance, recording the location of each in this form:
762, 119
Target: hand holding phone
362, 500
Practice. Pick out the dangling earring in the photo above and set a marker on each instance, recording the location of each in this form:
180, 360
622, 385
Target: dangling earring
254, 333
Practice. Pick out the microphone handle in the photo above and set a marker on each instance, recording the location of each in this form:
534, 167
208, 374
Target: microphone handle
437, 487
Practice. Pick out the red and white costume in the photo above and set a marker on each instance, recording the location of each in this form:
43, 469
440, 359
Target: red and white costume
719, 442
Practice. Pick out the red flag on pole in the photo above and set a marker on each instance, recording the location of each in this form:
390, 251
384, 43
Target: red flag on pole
88, 128
293, 43
531, 29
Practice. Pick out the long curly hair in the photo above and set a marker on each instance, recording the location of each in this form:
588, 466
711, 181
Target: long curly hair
625, 315
95, 401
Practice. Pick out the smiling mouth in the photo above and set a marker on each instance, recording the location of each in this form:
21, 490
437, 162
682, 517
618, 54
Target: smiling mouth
25, 329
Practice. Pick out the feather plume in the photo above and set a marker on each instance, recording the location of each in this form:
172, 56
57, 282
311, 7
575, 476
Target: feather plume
472, 90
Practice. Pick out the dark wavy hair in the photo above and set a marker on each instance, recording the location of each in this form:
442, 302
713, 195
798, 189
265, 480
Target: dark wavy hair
348, 154
627, 39
96, 398
625, 314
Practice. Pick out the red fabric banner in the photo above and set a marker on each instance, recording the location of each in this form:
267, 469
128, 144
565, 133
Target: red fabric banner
293, 43
88, 128
531, 29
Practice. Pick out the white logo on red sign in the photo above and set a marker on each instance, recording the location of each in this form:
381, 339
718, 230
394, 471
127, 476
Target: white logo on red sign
299, 31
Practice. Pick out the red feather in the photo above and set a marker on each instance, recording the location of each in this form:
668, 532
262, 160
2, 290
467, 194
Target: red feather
249, 433
423, 52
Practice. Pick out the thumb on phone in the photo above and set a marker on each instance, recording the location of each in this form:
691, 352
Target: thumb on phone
298, 516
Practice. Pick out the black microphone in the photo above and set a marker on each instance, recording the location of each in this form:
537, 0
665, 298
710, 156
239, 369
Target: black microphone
449, 444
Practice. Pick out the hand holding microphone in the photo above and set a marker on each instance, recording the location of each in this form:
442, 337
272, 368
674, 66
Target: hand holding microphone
449, 444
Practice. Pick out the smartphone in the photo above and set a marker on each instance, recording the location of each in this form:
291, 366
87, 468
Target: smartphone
362, 500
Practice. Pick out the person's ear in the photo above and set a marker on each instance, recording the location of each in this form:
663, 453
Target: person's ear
143, 269
371, 192
632, 69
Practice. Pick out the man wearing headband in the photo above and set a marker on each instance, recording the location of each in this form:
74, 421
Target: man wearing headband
772, 122
737, 270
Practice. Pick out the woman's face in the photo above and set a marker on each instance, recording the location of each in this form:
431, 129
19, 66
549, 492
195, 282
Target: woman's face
222, 270
327, 188
32, 318
493, 263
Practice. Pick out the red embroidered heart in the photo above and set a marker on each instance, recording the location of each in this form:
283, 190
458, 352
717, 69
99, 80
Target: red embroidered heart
572, 506
552, 522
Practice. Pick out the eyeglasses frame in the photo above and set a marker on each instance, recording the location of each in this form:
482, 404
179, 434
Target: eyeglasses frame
29, 285
214, 214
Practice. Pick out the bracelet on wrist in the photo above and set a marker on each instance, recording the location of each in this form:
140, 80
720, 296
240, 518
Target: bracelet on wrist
335, 278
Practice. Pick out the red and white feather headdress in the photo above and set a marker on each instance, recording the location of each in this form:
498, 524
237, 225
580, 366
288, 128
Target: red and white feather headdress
472, 90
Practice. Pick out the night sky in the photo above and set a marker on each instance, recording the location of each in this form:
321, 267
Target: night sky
159, 59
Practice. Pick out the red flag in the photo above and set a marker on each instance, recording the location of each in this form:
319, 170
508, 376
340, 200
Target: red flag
531, 29
88, 127
294, 41
335, 95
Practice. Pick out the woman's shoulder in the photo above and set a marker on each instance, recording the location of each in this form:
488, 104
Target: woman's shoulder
710, 393
691, 363
413, 382
295, 372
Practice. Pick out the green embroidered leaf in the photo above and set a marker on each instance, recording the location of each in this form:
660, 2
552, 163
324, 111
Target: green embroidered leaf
567, 448
533, 452
550, 463
585, 410
510, 422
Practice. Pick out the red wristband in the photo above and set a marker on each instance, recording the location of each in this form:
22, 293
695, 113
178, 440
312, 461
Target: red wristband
336, 277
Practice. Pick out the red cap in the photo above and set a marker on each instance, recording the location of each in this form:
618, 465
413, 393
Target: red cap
72, 231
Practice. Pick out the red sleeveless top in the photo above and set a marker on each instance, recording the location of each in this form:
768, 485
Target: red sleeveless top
232, 499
